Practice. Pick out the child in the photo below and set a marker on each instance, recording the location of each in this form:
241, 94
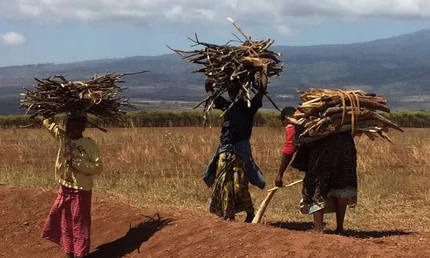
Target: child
69, 221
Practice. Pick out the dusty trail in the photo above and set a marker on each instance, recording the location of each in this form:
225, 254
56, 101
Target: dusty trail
23, 211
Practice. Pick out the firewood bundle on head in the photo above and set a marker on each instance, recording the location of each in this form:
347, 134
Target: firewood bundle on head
98, 96
326, 112
233, 68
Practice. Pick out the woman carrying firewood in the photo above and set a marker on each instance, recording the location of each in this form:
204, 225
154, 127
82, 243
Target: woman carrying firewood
69, 221
232, 167
330, 182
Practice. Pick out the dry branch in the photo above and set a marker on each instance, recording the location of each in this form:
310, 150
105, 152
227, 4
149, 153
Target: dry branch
260, 213
227, 66
58, 95
325, 112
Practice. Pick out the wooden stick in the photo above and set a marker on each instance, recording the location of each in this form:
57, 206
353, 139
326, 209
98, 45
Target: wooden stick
273, 103
96, 126
266, 201
293, 183
239, 29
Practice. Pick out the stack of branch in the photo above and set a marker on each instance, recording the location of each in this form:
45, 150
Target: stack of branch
98, 96
228, 66
326, 112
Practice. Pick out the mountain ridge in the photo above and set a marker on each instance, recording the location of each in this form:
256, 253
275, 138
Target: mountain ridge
395, 67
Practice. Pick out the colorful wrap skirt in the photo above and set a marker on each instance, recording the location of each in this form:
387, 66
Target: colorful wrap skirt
230, 193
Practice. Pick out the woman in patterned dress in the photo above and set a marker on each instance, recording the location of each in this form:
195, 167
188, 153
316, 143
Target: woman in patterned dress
232, 167
330, 183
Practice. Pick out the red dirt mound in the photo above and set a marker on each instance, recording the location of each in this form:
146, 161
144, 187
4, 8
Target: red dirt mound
120, 230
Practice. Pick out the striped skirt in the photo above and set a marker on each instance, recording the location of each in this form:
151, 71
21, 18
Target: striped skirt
69, 221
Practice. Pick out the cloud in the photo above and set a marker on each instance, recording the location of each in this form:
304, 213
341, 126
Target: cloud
191, 10
280, 14
12, 38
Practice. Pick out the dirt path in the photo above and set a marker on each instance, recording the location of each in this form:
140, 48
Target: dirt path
23, 211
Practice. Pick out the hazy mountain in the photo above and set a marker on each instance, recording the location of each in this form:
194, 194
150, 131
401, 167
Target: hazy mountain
397, 68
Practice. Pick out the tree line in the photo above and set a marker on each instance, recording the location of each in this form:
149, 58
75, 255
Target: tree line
161, 118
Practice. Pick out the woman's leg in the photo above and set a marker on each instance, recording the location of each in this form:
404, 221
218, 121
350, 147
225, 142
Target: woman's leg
222, 191
341, 205
242, 196
319, 221
249, 217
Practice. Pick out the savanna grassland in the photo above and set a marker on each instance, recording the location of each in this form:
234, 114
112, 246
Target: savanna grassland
163, 167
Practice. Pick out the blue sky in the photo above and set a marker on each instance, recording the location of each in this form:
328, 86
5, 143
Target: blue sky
40, 31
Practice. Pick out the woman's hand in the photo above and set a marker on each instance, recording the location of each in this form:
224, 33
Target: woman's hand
69, 162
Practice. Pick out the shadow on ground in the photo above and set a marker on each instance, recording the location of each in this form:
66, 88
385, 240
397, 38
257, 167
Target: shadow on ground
296, 226
132, 240
308, 226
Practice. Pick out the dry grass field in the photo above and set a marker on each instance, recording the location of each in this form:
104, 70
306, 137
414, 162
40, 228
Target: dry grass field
163, 167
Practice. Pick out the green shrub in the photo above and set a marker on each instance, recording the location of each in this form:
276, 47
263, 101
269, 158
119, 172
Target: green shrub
163, 118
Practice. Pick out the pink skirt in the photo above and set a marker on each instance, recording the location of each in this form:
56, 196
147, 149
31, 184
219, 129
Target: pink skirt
69, 221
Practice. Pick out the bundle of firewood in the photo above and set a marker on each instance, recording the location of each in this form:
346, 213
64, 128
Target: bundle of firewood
228, 66
58, 95
325, 112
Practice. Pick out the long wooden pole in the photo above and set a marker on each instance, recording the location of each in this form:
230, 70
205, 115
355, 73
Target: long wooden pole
266, 201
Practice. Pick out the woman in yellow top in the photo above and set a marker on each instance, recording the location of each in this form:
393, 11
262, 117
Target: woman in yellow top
78, 160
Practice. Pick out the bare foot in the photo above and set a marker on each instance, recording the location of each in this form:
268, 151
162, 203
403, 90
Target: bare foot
229, 218
341, 232
249, 217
